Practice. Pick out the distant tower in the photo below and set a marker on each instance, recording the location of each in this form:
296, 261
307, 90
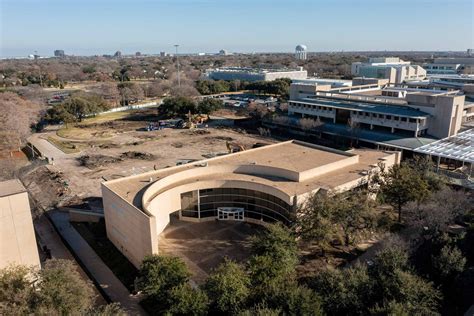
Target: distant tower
300, 52
223, 52
118, 54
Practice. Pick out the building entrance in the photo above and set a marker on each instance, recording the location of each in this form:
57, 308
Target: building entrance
230, 213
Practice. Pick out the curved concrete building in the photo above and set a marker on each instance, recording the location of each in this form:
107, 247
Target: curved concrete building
259, 185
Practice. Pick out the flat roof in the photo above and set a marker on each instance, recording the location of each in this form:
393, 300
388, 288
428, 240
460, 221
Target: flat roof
365, 107
458, 147
291, 155
255, 70
11, 187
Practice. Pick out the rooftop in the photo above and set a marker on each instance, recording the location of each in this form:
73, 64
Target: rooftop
398, 110
458, 147
11, 187
254, 70
293, 167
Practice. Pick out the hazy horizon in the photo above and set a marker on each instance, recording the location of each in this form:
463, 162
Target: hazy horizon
86, 28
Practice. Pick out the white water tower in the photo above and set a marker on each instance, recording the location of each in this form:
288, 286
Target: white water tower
300, 52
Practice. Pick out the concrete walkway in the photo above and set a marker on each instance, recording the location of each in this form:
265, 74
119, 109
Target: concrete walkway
46, 149
109, 283
47, 236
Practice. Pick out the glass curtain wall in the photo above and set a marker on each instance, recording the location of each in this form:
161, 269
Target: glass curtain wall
257, 205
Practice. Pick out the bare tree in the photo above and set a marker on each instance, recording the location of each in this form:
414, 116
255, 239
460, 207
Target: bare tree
16, 119
309, 124
439, 211
108, 90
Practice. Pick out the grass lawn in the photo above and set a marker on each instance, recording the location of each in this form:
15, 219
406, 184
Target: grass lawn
95, 235
67, 147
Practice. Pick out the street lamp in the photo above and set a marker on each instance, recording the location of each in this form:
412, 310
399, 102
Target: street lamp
177, 65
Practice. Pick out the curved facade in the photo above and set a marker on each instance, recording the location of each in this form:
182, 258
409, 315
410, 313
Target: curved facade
267, 183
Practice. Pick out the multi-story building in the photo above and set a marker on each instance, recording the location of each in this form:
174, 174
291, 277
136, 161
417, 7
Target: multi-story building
259, 186
381, 107
17, 236
392, 68
59, 53
255, 74
450, 66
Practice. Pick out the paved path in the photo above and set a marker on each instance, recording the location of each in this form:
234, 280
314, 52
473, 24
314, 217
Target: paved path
47, 236
112, 286
46, 149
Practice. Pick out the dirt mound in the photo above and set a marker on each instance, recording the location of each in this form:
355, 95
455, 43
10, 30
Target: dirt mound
224, 138
95, 161
47, 187
137, 155
195, 132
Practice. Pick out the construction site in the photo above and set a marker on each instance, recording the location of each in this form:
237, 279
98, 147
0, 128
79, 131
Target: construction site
73, 160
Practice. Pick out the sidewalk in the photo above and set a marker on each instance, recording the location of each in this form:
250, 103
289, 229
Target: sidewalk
109, 283
46, 149
48, 236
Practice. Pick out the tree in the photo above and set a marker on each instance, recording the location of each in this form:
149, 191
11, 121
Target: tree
396, 282
260, 310
314, 220
57, 289
130, 92
158, 275
177, 106
228, 287
184, 300
433, 216
449, 263
274, 262
63, 289
308, 124
299, 300
344, 292
108, 91
16, 292
112, 309
400, 185
209, 105
352, 212
16, 120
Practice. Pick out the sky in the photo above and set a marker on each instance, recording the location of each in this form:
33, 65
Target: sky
90, 27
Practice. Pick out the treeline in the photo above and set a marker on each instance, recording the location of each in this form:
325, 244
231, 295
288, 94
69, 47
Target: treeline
181, 106
56, 289
76, 108
265, 285
280, 87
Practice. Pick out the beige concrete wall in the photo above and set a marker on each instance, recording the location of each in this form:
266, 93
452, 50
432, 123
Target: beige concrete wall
446, 111
131, 230
17, 235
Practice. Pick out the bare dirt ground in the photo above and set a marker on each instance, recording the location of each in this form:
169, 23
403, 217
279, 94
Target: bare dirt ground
203, 246
109, 149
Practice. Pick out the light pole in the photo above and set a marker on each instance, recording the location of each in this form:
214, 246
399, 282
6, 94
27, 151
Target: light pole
177, 65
